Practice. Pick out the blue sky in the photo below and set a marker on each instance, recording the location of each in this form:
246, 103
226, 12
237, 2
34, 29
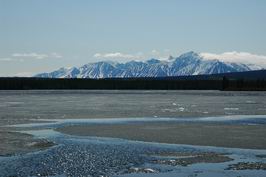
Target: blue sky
43, 35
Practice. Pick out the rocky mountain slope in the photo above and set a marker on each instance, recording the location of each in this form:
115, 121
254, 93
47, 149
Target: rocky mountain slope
190, 63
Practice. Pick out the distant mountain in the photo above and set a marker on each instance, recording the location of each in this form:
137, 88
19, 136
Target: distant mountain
187, 64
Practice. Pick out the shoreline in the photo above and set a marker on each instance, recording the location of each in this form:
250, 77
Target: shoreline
16, 143
209, 131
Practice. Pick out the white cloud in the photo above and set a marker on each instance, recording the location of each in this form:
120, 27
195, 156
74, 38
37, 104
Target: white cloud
37, 56
155, 52
137, 56
118, 55
30, 55
242, 57
34, 56
56, 55
162, 55
11, 59
24, 74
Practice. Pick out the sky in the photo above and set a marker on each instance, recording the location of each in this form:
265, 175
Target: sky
44, 35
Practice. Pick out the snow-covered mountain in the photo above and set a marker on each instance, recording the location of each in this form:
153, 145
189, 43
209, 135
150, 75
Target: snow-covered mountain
190, 63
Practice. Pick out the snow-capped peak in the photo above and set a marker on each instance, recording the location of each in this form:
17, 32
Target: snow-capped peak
190, 63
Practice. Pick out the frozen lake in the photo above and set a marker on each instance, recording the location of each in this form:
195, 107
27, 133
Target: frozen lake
20, 106
132, 133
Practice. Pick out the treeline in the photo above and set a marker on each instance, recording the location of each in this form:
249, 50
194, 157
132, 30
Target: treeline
244, 84
177, 83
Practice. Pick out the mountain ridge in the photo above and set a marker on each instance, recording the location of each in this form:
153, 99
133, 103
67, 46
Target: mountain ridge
190, 63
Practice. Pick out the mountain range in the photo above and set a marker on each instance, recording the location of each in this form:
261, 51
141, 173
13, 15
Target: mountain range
190, 63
